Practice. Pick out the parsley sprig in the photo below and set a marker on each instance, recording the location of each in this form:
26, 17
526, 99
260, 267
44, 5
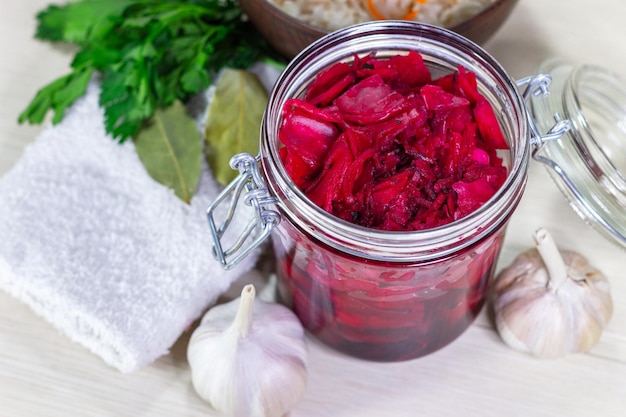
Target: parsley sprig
148, 54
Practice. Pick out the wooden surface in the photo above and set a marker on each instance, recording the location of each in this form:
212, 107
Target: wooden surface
42, 373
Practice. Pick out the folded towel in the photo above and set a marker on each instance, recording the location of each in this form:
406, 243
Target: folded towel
95, 246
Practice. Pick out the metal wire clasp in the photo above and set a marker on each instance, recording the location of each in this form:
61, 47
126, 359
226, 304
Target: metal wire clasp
257, 196
540, 85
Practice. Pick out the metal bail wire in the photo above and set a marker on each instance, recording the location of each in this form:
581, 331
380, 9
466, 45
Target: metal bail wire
256, 196
540, 85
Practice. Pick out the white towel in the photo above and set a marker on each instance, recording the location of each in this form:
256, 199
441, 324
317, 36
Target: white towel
95, 246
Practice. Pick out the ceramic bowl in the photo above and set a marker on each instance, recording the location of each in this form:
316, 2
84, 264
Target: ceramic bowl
289, 35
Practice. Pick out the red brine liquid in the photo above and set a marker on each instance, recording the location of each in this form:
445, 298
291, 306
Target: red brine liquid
381, 144
382, 311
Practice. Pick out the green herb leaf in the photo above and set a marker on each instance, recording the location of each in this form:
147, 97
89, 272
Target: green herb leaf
233, 120
57, 96
170, 147
80, 21
127, 98
150, 55
149, 52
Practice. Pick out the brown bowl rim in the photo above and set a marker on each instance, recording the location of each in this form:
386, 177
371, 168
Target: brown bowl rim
321, 32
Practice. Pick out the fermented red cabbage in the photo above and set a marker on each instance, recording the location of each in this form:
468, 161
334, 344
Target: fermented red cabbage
380, 143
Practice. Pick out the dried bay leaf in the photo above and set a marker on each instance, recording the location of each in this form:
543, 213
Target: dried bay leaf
170, 148
233, 120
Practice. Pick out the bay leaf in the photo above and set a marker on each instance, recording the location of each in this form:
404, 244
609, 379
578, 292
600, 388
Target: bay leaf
233, 120
170, 148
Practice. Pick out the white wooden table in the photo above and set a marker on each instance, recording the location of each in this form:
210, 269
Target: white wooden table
42, 373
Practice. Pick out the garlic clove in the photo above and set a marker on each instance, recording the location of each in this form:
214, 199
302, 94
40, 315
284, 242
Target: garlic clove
248, 359
549, 302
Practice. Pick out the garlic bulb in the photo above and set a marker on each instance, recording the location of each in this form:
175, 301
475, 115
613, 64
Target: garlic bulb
551, 303
249, 362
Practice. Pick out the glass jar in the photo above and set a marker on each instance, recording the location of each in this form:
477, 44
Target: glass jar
373, 294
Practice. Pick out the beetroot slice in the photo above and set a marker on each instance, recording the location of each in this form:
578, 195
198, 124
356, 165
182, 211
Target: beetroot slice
488, 125
402, 72
327, 96
437, 99
307, 132
369, 101
385, 191
327, 79
381, 144
299, 171
471, 195
329, 185
412, 72
466, 85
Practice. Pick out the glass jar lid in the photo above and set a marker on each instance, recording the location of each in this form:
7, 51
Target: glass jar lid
589, 162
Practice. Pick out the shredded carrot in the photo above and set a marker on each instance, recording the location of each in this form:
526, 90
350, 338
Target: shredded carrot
409, 16
373, 11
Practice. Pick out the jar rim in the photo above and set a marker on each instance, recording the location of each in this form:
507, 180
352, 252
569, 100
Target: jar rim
591, 174
385, 245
